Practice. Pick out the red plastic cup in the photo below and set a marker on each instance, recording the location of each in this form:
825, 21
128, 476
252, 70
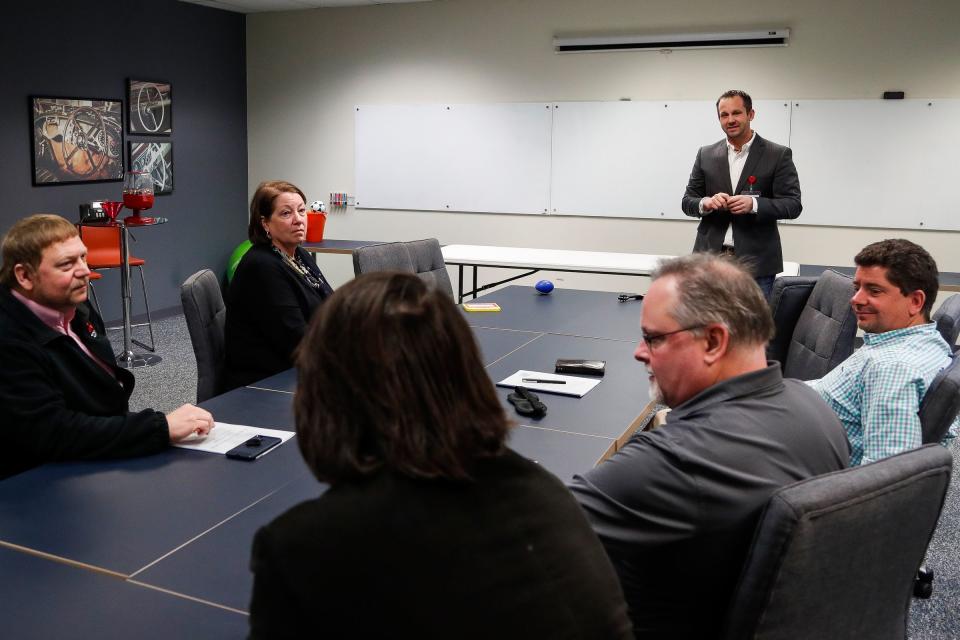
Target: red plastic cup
315, 224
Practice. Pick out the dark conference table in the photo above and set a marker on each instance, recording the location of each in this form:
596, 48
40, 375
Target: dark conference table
182, 521
44, 599
589, 314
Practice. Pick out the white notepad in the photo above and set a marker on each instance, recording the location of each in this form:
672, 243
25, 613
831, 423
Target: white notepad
573, 385
225, 436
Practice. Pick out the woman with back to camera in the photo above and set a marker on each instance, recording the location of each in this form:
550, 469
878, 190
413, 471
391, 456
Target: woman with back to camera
432, 527
275, 289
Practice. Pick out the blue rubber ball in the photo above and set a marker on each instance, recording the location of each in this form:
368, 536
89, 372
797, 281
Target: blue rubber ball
544, 286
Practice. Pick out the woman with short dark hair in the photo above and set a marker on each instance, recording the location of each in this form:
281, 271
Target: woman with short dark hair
432, 527
275, 289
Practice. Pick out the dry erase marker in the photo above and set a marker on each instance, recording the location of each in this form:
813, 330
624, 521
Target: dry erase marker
543, 381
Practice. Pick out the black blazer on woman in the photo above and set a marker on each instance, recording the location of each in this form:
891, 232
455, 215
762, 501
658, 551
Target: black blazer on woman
507, 555
268, 308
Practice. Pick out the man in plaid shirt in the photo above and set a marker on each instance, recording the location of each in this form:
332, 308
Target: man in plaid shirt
877, 391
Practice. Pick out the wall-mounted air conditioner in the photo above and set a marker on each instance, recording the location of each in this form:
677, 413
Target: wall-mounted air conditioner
659, 42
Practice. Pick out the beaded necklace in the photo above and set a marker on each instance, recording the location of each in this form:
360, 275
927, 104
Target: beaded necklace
297, 265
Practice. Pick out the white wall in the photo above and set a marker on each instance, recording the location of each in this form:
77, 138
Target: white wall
308, 69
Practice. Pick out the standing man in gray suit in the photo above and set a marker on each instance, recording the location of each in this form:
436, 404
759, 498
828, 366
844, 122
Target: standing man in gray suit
739, 188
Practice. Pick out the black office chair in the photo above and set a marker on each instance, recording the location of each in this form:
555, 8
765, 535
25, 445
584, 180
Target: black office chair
835, 556
815, 325
787, 300
938, 410
941, 403
206, 315
947, 318
422, 257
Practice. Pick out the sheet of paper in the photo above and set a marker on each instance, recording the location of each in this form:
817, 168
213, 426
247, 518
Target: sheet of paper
573, 385
225, 436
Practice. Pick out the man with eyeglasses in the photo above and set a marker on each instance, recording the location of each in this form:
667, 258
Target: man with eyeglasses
676, 507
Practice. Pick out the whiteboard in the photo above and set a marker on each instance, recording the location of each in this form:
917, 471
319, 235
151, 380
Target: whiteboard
878, 163
633, 159
462, 157
862, 163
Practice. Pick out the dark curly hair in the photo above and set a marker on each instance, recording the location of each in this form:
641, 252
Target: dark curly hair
908, 266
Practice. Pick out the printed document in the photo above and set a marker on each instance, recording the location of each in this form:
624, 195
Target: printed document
225, 436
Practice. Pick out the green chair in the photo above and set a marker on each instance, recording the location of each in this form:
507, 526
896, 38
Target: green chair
235, 258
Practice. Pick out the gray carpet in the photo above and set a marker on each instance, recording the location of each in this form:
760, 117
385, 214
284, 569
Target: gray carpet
174, 382
171, 383
938, 616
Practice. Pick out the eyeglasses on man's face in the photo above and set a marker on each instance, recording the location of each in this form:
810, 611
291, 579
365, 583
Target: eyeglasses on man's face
654, 340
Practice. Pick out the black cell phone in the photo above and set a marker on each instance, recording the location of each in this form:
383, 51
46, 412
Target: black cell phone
253, 448
576, 365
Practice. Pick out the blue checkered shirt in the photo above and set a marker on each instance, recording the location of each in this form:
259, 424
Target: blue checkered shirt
876, 392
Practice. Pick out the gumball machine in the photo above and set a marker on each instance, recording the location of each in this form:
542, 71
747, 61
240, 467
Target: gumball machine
137, 196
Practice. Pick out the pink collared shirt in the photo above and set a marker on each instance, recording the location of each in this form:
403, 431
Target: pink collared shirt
59, 322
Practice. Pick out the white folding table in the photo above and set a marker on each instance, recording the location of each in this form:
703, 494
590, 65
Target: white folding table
534, 260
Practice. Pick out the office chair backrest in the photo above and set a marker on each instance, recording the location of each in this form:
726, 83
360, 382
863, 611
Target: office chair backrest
941, 403
422, 257
206, 314
947, 318
822, 335
835, 556
787, 300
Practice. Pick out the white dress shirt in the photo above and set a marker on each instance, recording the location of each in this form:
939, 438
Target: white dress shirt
736, 160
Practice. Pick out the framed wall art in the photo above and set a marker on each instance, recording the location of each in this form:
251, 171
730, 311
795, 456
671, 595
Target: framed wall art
156, 158
151, 107
76, 139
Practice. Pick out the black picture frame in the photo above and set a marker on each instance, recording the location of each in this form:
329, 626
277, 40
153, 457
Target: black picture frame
76, 140
156, 158
151, 107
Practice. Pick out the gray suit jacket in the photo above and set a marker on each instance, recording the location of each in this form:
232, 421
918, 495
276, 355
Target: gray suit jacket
755, 236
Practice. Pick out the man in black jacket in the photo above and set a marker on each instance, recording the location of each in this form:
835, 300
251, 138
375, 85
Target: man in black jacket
740, 187
676, 507
62, 396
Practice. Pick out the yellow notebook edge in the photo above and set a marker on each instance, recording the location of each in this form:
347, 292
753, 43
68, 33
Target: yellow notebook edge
481, 307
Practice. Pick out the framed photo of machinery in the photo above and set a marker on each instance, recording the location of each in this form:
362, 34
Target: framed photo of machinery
76, 140
151, 107
155, 158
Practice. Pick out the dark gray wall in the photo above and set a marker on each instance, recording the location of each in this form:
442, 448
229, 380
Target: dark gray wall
76, 49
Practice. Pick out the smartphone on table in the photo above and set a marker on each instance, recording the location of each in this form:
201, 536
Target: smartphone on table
253, 448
